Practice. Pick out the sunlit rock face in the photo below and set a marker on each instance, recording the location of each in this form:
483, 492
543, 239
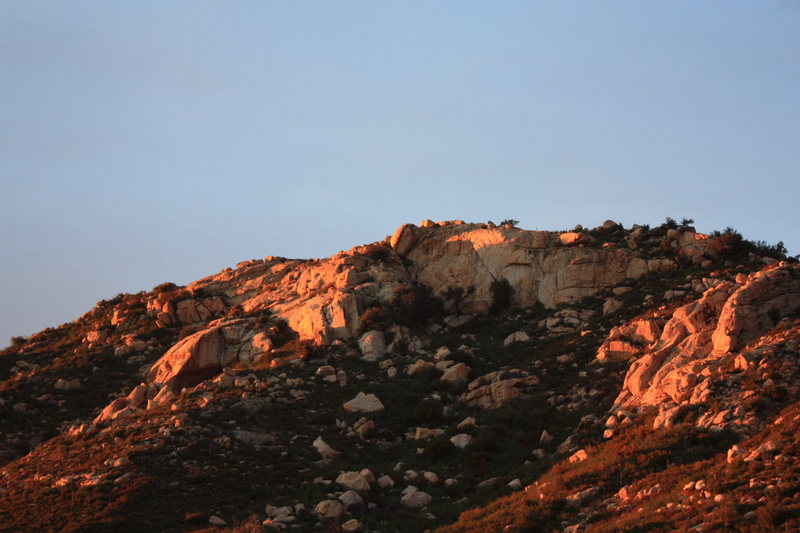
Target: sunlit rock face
540, 266
702, 336
323, 300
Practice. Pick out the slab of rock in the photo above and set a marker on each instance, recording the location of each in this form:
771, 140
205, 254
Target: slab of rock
364, 403
353, 480
498, 391
456, 374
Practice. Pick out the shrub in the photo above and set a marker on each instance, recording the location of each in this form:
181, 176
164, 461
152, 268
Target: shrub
438, 449
730, 244
427, 412
306, 350
510, 222
379, 252
414, 307
501, 295
235, 310
16, 342
165, 287
263, 319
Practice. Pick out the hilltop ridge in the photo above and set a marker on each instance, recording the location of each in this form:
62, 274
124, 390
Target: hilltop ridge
371, 390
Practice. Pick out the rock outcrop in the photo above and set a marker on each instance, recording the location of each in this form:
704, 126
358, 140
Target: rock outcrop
699, 337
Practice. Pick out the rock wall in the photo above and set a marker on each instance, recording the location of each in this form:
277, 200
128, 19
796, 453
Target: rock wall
538, 264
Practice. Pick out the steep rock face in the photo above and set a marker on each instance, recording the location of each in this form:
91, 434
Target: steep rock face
539, 266
765, 298
323, 300
703, 335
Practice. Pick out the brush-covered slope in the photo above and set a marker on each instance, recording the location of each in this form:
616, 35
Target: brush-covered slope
399, 384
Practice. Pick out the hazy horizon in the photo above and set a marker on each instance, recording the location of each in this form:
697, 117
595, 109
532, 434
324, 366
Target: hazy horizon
156, 142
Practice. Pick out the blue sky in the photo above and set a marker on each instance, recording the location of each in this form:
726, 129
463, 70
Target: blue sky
144, 142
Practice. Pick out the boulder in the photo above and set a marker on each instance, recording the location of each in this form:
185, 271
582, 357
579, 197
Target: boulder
573, 237
517, 336
403, 239
191, 360
325, 449
353, 480
498, 391
364, 403
329, 509
352, 526
416, 499
372, 345
351, 498
456, 374
427, 433
462, 440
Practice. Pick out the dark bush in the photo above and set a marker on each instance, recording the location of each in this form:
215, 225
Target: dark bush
236, 310
16, 342
510, 222
501, 295
730, 244
414, 307
306, 350
263, 319
427, 412
165, 287
379, 252
438, 449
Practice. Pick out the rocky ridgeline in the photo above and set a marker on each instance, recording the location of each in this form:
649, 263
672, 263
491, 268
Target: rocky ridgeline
276, 378
323, 301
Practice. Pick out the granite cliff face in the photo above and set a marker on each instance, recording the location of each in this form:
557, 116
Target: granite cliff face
388, 387
323, 300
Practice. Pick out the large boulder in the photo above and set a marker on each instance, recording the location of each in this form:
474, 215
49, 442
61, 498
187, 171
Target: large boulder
191, 360
372, 345
403, 239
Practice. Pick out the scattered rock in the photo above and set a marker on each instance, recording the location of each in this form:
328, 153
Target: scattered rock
364, 403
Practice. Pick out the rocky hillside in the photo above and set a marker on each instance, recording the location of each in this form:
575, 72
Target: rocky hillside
458, 376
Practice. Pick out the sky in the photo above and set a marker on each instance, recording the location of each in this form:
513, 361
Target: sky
144, 142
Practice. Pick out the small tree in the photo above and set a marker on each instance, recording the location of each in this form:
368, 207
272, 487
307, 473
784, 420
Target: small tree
510, 222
